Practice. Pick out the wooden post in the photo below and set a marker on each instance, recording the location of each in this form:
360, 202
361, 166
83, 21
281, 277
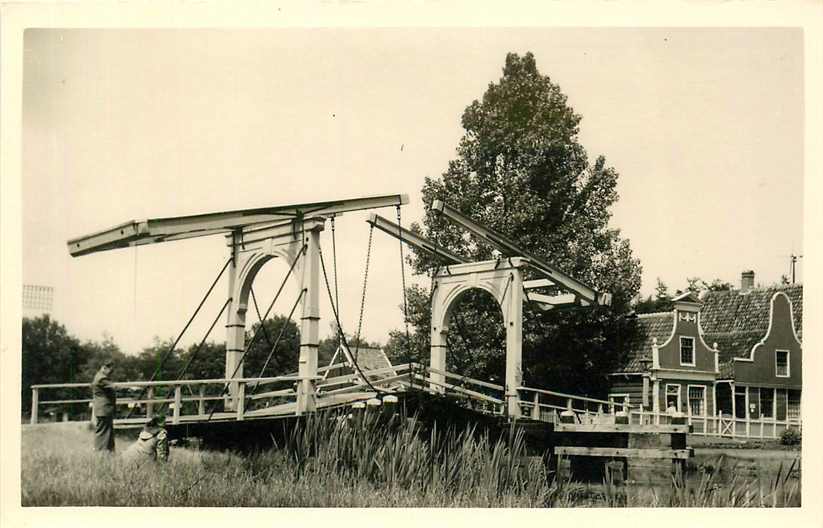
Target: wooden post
688, 407
309, 324
177, 404
536, 408
748, 416
149, 404
201, 403
439, 343
241, 400
35, 403
774, 413
235, 325
512, 304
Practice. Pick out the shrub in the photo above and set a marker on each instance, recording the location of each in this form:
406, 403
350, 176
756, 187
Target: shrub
790, 437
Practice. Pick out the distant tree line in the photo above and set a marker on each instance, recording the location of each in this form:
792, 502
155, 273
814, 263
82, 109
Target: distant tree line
51, 354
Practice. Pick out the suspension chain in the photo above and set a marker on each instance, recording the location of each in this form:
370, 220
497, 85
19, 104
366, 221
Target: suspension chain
342, 335
363, 297
403, 279
334, 269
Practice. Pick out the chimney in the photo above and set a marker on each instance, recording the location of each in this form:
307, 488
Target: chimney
746, 281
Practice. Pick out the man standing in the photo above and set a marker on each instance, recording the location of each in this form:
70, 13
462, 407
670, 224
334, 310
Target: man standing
104, 398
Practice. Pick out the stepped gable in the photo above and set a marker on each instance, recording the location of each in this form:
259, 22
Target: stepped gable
647, 327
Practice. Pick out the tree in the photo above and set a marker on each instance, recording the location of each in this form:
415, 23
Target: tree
283, 357
521, 170
662, 301
49, 355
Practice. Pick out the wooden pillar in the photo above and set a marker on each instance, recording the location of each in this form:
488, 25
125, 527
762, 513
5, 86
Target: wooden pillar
645, 399
748, 414
35, 404
513, 318
439, 347
178, 402
149, 404
241, 400
309, 323
536, 406
201, 403
656, 401
235, 327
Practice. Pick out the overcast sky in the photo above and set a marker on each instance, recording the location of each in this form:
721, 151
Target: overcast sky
705, 127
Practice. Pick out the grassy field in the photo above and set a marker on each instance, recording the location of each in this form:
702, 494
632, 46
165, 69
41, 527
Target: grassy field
338, 463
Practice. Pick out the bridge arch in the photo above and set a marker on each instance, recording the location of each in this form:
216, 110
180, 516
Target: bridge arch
503, 280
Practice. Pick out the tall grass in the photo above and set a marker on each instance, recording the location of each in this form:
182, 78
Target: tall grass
365, 461
446, 466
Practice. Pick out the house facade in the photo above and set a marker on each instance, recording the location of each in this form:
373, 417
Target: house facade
759, 335
730, 361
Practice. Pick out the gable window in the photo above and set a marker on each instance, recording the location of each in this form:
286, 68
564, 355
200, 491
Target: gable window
687, 351
781, 363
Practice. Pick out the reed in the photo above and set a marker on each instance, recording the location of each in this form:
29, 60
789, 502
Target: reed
363, 461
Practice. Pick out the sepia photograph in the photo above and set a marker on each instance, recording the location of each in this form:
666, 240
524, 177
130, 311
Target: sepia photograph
538, 267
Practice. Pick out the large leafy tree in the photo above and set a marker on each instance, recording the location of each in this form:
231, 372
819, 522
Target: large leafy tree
49, 355
521, 170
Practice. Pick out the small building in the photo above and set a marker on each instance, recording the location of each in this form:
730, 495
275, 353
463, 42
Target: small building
368, 359
759, 333
731, 361
670, 366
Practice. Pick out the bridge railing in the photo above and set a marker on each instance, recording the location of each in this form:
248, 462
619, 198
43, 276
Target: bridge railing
546, 405
187, 400
479, 395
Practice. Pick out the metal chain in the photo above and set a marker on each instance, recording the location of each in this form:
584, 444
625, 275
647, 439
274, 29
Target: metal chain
334, 268
403, 279
342, 334
363, 297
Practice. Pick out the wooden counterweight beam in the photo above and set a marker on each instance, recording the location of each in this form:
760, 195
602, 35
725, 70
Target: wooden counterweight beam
584, 292
414, 240
156, 230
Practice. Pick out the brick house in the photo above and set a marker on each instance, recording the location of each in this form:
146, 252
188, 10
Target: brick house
731, 354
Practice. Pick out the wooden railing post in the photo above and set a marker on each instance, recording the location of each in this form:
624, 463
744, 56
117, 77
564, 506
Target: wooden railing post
35, 403
241, 400
201, 403
149, 404
178, 403
536, 408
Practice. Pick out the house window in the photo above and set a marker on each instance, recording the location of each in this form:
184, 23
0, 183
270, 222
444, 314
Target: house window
794, 405
672, 397
739, 401
766, 403
697, 400
620, 401
687, 351
781, 363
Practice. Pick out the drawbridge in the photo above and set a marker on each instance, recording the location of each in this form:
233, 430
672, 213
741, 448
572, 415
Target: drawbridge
292, 232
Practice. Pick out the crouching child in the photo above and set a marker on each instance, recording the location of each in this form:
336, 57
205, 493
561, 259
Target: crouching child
151, 444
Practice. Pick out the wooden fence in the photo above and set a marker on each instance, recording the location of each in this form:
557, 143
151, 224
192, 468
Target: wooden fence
198, 400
